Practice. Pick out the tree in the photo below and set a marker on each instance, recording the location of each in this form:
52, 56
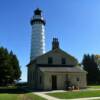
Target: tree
92, 69
9, 67
15, 66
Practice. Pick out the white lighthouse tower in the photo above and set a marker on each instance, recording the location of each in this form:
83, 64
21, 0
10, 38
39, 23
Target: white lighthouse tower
38, 35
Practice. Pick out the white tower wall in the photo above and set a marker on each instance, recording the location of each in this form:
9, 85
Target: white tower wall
38, 36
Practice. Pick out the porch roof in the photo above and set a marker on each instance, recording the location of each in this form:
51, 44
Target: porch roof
62, 69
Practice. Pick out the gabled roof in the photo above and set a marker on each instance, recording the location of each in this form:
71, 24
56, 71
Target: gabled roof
58, 50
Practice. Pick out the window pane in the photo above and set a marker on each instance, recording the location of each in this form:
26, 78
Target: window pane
63, 61
50, 61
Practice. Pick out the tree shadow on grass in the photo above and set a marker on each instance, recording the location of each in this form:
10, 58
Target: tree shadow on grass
17, 90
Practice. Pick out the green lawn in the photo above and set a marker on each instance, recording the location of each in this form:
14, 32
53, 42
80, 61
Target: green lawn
76, 94
14, 93
5, 96
27, 96
94, 87
35, 97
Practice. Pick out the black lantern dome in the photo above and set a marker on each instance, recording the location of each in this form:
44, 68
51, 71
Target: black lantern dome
37, 11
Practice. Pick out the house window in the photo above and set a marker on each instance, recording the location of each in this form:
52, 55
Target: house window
63, 61
67, 77
77, 79
50, 60
33, 76
40, 79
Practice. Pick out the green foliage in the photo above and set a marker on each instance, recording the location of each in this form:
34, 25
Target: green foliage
9, 67
15, 65
92, 69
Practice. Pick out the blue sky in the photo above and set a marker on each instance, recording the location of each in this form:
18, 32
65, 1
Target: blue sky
76, 23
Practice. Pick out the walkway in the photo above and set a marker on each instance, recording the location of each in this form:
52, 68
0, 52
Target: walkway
47, 97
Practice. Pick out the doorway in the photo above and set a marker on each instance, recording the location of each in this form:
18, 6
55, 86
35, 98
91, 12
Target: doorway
54, 82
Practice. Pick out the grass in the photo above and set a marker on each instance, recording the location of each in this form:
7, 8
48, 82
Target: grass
76, 94
14, 93
94, 87
27, 96
35, 97
8, 97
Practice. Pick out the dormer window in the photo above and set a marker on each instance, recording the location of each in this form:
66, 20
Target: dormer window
50, 60
63, 61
